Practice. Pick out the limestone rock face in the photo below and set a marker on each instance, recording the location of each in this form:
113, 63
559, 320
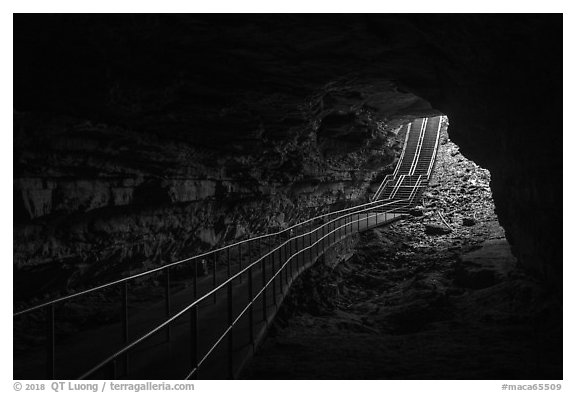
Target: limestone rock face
140, 139
94, 200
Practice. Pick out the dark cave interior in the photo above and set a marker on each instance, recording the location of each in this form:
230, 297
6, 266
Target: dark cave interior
141, 139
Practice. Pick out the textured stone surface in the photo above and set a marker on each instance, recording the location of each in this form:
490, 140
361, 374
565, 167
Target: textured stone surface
137, 136
485, 267
94, 200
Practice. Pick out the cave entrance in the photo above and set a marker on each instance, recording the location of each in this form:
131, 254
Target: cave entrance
445, 191
406, 291
458, 197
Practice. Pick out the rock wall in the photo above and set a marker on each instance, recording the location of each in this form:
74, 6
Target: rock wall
94, 200
502, 92
144, 138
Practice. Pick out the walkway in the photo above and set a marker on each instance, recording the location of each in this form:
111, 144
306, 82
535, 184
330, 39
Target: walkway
210, 329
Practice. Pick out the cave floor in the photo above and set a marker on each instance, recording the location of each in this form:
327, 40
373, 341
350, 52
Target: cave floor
455, 313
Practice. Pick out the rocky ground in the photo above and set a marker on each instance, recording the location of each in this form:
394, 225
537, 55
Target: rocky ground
434, 296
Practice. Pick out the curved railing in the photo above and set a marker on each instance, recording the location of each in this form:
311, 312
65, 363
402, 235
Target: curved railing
206, 254
333, 230
309, 227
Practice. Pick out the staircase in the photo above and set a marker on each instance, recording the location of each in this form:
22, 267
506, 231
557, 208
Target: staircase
413, 170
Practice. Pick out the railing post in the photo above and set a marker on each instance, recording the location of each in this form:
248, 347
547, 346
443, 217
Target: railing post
309, 245
289, 266
298, 255
214, 276
195, 279
125, 321
281, 255
264, 302
285, 267
333, 233
286, 258
50, 342
249, 252
274, 277
349, 224
301, 255
251, 310
230, 336
167, 300
316, 244
323, 239
114, 369
292, 259
336, 230
194, 339
314, 248
240, 261
229, 265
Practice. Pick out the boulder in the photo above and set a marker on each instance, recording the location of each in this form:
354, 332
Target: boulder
416, 212
434, 229
468, 222
486, 266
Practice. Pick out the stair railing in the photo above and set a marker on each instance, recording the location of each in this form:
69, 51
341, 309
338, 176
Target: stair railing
433, 158
418, 146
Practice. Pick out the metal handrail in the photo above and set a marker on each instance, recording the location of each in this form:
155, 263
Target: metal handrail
219, 287
415, 190
387, 178
433, 158
421, 136
198, 256
397, 186
403, 150
241, 314
381, 187
418, 147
